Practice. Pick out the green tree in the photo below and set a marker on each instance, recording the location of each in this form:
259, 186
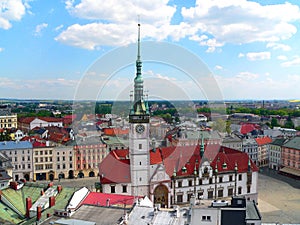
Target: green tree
219, 125
274, 122
289, 123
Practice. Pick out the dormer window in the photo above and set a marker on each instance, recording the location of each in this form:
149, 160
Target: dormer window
184, 170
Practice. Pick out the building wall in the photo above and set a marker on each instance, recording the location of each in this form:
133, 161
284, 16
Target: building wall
9, 121
274, 157
43, 163
21, 160
63, 158
185, 186
87, 158
291, 158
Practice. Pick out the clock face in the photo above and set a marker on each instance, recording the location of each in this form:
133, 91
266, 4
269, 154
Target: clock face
140, 129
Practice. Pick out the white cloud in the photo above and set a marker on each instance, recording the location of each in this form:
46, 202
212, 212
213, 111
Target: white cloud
1, 49
247, 76
39, 28
293, 62
211, 23
241, 21
282, 57
277, 46
11, 10
253, 56
241, 55
218, 67
236, 87
58, 28
156, 12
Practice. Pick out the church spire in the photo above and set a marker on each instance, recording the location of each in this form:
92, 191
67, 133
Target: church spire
138, 80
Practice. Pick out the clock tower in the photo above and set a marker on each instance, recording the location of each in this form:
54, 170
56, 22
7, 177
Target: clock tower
139, 134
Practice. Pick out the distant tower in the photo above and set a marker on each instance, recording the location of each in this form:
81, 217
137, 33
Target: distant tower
139, 134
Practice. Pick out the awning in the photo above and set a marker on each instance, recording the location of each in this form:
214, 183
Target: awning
290, 171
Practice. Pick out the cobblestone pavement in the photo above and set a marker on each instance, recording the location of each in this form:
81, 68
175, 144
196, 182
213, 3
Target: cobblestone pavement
278, 198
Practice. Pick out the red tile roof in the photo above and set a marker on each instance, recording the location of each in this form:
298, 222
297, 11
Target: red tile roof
248, 127
263, 140
28, 120
100, 199
116, 166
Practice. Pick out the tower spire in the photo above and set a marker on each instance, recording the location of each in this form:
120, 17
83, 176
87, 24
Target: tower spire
138, 80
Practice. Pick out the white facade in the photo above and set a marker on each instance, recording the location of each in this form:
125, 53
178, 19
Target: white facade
139, 158
20, 154
251, 148
42, 123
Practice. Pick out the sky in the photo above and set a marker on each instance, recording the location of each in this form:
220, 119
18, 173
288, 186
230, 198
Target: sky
57, 49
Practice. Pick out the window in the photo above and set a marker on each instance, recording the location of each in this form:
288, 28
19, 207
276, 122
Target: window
28, 166
230, 178
240, 190
16, 159
248, 189
16, 167
179, 183
70, 158
28, 158
200, 181
179, 198
58, 166
36, 160
41, 152
71, 166
220, 179
230, 192
240, 176
190, 183
206, 218
210, 194
140, 146
112, 189
220, 193
64, 166
63, 158
57, 159
124, 188
210, 181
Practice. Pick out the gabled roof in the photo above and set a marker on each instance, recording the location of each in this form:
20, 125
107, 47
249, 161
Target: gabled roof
114, 168
263, 140
248, 127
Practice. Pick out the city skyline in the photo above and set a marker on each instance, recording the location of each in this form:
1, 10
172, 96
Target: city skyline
48, 49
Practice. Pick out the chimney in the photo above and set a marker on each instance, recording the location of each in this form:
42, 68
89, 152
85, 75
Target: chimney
51, 201
28, 206
59, 188
38, 213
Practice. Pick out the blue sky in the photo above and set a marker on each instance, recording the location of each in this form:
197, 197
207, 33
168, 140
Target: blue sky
47, 48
